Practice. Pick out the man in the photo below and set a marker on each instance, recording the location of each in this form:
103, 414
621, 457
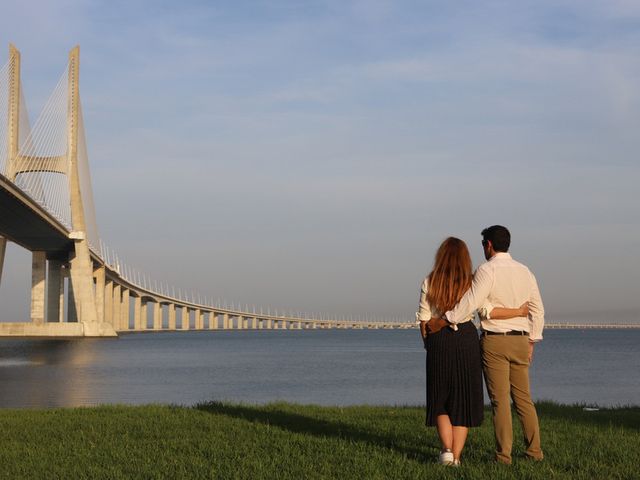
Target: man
507, 345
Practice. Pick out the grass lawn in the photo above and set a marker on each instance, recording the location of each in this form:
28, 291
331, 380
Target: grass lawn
285, 441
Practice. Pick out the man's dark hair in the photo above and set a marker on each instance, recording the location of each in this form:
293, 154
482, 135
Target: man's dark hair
499, 236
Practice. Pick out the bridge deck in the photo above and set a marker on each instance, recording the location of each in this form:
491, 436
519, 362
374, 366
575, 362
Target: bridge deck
24, 222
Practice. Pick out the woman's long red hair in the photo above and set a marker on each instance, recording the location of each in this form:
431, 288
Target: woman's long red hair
451, 275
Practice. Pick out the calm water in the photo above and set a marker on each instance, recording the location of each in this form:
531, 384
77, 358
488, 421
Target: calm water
322, 366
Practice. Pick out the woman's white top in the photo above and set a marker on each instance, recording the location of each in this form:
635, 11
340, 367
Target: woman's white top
426, 311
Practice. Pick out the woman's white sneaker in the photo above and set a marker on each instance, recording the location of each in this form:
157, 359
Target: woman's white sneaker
446, 457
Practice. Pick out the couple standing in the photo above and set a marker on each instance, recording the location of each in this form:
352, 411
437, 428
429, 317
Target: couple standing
505, 294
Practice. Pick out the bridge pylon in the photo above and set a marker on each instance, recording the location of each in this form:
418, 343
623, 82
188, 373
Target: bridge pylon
81, 265
48, 283
13, 125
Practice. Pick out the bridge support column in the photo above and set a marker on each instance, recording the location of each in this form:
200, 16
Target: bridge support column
157, 316
99, 275
213, 321
137, 307
254, 323
54, 285
172, 316
197, 318
3, 248
117, 304
240, 324
225, 321
72, 314
38, 283
82, 280
108, 300
144, 316
124, 310
64, 274
185, 318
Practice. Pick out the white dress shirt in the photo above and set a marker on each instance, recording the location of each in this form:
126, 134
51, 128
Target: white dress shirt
503, 282
426, 311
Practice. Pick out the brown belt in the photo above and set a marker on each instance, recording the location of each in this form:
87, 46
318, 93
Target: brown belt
510, 332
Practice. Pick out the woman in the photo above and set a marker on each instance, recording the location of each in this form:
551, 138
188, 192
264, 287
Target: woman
454, 361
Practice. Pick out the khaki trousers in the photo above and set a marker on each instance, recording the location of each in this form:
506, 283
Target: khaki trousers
506, 372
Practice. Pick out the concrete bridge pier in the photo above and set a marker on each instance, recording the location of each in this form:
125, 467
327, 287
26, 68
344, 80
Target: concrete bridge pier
137, 307
108, 300
157, 316
186, 320
72, 313
64, 280
144, 315
55, 292
124, 310
38, 284
172, 316
3, 249
99, 277
117, 305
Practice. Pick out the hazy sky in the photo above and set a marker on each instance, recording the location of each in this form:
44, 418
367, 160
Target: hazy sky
313, 155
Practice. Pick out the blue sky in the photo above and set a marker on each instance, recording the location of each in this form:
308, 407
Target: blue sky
312, 155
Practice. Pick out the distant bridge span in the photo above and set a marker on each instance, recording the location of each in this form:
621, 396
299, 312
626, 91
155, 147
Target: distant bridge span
46, 206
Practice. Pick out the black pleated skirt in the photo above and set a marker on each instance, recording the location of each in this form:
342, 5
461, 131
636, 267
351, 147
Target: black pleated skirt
454, 376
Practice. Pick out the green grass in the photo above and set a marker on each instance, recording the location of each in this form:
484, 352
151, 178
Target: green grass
285, 441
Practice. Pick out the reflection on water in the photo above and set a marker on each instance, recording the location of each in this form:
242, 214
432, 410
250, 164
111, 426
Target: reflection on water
46, 373
338, 367
12, 362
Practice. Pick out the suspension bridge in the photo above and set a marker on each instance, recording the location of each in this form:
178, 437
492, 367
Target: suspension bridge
78, 288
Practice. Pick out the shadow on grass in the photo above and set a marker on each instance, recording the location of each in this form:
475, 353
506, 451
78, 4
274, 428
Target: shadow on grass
297, 423
626, 417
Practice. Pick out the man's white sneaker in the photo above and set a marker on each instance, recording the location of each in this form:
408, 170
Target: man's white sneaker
446, 457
